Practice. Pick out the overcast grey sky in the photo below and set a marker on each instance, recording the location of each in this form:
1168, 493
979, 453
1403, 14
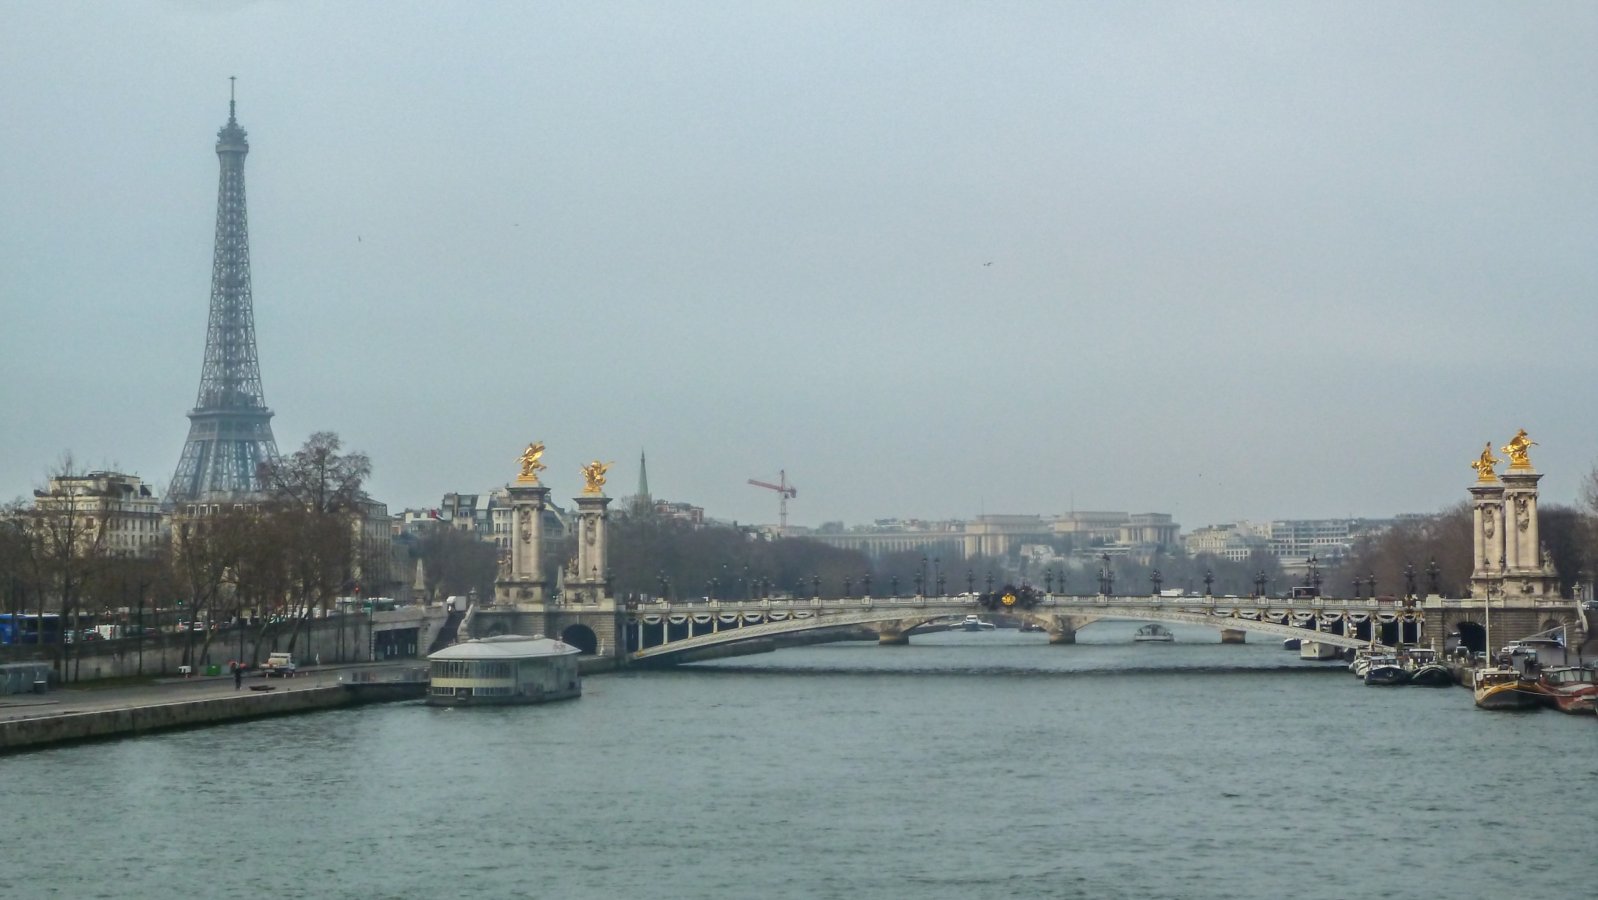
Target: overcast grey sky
933, 259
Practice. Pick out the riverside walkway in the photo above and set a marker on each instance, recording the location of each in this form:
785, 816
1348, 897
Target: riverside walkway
71, 714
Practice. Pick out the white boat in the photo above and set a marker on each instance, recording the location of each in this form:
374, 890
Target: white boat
972, 623
1154, 631
1317, 650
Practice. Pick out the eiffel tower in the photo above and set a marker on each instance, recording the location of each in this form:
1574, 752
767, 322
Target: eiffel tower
230, 430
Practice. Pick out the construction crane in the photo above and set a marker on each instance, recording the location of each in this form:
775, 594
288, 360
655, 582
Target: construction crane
784, 490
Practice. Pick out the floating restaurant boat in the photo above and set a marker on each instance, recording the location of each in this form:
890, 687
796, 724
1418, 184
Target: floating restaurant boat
510, 668
1571, 689
1500, 687
1154, 632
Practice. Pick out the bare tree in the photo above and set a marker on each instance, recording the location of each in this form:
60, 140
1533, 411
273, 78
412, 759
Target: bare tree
65, 541
316, 493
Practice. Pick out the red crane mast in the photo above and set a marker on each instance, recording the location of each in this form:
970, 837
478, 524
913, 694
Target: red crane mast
784, 490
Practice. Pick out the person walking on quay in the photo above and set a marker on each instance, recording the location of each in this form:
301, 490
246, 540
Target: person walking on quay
238, 676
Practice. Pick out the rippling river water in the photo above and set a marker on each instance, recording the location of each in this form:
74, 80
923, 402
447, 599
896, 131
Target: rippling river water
965, 765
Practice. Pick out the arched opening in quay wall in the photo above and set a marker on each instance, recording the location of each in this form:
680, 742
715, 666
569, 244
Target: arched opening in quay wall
582, 637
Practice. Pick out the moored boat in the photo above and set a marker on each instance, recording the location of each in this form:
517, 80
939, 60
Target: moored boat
1291, 644
1425, 670
1317, 650
1500, 687
1154, 632
1361, 662
1385, 671
1571, 689
972, 623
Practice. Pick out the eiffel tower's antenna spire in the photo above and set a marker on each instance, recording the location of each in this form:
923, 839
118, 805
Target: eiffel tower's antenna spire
231, 83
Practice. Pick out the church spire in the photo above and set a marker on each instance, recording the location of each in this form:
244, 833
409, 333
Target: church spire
642, 504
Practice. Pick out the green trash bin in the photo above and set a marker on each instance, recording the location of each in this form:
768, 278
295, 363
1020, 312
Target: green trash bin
213, 670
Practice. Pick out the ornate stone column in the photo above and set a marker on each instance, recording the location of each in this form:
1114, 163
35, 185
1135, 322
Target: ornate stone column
1522, 546
1487, 526
1527, 570
521, 583
593, 573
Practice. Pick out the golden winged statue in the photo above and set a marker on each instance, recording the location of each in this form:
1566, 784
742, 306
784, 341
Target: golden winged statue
531, 465
1516, 448
594, 477
1484, 465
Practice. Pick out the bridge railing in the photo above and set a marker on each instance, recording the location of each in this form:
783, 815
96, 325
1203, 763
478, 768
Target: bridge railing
1052, 601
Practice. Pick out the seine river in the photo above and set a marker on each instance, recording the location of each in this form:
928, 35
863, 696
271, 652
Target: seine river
965, 765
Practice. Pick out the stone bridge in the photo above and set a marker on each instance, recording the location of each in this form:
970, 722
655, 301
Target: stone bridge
661, 631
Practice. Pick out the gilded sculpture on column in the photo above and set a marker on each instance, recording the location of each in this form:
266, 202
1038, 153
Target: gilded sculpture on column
1484, 465
1517, 449
531, 463
594, 477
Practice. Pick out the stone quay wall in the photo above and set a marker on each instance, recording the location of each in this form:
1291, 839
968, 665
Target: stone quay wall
20, 734
163, 654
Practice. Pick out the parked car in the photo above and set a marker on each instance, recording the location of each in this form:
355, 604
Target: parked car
281, 664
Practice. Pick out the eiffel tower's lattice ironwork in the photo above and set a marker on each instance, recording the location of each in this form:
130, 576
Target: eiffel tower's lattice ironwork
230, 430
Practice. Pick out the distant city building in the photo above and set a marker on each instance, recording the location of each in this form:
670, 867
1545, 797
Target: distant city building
886, 536
1002, 535
1296, 540
679, 512
485, 516
1088, 528
375, 567
121, 516
1233, 541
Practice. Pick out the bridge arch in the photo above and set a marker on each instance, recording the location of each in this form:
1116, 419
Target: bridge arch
662, 633
582, 637
1472, 636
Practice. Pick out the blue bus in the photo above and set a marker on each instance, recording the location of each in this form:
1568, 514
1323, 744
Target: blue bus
29, 628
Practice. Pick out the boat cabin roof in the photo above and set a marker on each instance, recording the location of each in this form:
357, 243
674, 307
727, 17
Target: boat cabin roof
506, 646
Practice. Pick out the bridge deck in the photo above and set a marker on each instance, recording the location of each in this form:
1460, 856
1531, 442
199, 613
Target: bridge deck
736, 621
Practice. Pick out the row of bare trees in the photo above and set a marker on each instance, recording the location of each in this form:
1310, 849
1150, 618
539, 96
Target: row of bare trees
276, 561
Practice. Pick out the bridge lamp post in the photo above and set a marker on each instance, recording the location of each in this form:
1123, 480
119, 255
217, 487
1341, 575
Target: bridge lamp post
1259, 583
970, 582
1370, 579
990, 581
848, 588
921, 581
815, 586
937, 573
894, 584
1431, 575
867, 581
1409, 581
919, 578
1154, 580
1209, 583
1048, 582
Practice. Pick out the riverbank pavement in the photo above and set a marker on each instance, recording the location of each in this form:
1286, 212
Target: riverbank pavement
85, 697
